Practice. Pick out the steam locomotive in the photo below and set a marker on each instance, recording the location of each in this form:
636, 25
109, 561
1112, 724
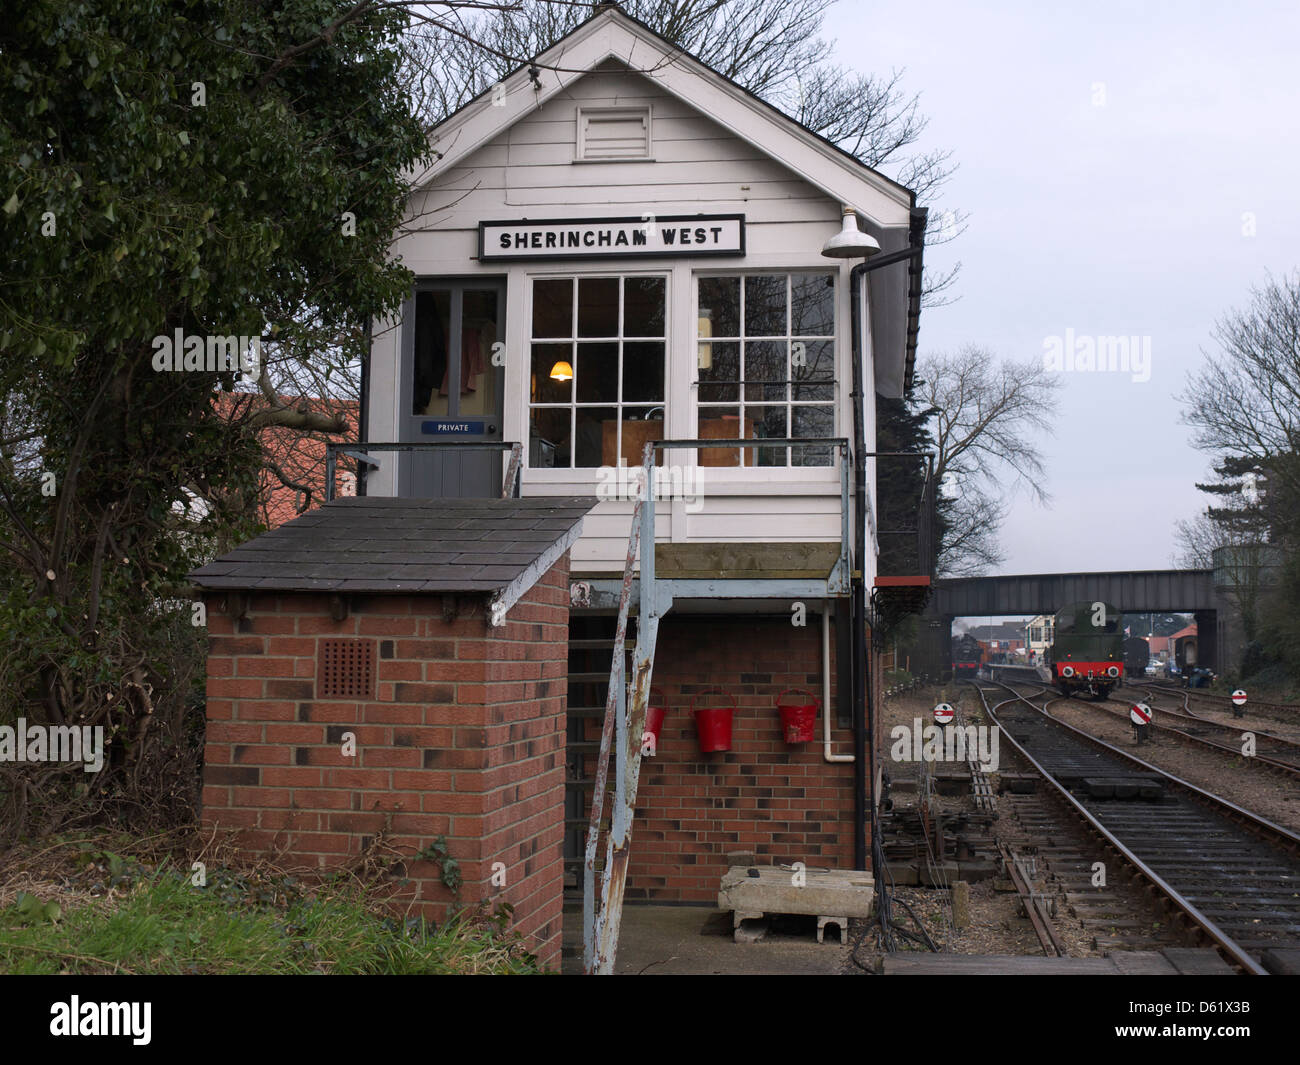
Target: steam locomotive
1088, 654
967, 654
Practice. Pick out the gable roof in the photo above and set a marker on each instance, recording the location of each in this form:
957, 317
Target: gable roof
887, 209
611, 33
395, 545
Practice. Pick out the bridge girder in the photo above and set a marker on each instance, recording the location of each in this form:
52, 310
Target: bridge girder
1133, 592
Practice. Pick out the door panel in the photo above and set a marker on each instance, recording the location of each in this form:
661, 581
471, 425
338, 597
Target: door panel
452, 392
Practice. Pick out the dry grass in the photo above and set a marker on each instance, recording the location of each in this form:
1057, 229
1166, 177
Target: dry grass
106, 904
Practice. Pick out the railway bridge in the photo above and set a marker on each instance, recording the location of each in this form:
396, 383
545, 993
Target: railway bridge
1192, 591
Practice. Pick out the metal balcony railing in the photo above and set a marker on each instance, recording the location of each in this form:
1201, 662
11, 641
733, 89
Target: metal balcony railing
359, 453
906, 495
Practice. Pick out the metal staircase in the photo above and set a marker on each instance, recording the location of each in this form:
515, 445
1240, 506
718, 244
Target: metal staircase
609, 833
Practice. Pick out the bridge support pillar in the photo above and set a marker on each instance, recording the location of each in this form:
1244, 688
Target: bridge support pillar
1207, 639
934, 647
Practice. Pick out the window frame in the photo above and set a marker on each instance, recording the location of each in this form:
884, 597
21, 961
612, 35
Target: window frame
786, 469
621, 339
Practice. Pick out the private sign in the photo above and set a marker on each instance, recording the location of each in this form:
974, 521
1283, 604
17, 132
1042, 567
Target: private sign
593, 238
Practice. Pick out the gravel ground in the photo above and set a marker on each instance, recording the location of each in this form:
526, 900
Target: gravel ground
1282, 717
1285, 726
1268, 794
996, 924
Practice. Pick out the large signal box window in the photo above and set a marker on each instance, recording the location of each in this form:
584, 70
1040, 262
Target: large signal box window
766, 365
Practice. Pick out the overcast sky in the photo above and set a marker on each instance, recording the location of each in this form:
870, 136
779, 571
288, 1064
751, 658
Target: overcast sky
1109, 156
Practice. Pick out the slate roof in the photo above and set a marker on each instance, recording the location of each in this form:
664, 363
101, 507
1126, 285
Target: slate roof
381, 544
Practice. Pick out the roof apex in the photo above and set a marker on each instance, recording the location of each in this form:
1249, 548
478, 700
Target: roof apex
611, 33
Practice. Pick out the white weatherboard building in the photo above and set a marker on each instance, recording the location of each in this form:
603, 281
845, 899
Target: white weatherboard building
618, 245
638, 221
1039, 635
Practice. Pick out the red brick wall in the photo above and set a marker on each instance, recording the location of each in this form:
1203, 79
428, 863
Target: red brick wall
782, 803
464, 739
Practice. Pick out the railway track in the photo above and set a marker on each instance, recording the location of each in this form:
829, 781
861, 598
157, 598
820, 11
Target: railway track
1281, 711
1277, 753
1052, 860
1271, 751
1227, 876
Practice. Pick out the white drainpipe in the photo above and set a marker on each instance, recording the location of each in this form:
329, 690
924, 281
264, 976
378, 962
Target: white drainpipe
826, 693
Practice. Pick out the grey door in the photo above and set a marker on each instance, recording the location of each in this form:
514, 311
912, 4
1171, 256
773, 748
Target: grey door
452, 387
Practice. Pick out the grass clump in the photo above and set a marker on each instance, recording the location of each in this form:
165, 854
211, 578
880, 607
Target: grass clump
116, 914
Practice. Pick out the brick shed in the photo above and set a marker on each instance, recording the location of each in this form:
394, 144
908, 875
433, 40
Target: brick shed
398, 666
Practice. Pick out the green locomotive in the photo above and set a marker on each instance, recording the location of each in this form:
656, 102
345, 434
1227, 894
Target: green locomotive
1088, 655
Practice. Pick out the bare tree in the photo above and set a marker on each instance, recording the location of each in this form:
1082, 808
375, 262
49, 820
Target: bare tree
1244, 408
985, 416
1244, 403
1195, 541
969, 545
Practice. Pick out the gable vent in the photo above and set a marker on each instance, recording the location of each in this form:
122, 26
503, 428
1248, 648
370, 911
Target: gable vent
614, 133
347, 669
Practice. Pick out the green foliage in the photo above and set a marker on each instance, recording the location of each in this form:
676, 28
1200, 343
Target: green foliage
439, 854
131, 210
902, 425
908, 523
244, 923
1281, 642
29, 910
207, 216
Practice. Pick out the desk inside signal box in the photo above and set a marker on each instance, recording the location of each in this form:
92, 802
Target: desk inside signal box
637, 433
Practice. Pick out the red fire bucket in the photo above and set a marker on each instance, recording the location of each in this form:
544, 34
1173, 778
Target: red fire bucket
798, 715
654, 717
713, 723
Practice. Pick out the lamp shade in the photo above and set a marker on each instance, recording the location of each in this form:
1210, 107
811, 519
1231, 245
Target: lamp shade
850, 242
562, 371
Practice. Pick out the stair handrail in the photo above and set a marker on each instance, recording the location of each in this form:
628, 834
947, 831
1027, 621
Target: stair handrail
615, 701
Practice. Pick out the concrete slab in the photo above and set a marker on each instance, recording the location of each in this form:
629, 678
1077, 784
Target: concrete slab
696, 941
834, 893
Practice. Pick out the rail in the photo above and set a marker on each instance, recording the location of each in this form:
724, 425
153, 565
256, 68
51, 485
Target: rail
1222, 941
1264, 759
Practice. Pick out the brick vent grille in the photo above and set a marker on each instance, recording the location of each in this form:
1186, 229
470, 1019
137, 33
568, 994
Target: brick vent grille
347, 669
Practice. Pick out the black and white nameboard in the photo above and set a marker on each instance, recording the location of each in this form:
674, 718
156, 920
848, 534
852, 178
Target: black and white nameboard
595, 238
